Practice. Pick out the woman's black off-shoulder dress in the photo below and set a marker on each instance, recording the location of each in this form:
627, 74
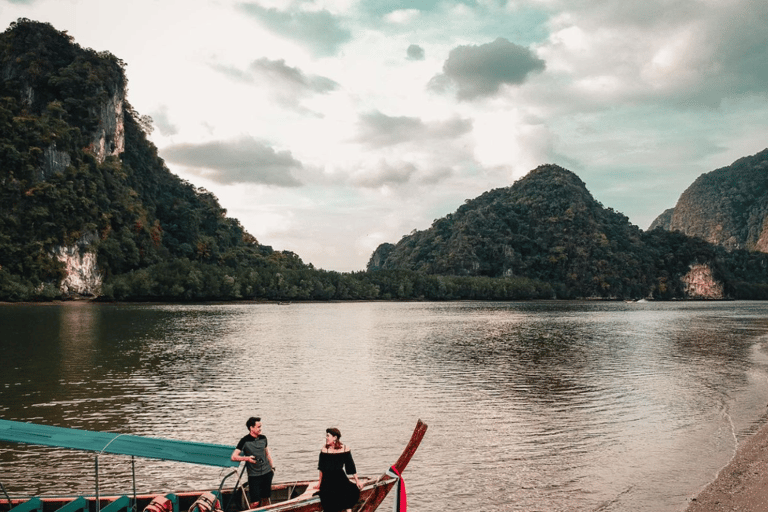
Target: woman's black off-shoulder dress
337, 492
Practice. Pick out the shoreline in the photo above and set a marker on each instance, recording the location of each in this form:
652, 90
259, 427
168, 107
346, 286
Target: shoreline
742, 485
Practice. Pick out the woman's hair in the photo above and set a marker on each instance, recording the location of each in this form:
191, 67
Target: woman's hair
337, 434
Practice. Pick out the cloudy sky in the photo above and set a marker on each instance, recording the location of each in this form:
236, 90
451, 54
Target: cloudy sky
328, 127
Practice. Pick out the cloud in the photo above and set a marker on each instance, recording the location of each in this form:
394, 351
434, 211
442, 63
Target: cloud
380, 130
384, 7
683, 52
479, 71
402, 16
384, 174
415, 52
233, 73
319, 31
743, 50
288, 85
245, 160
163, 123
277, 72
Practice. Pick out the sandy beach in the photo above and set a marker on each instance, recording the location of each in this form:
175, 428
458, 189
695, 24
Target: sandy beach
743, 484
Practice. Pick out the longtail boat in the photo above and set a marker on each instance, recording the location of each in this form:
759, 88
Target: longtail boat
298, 496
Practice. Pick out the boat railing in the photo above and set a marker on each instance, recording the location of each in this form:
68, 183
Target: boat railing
7, 497
234, 489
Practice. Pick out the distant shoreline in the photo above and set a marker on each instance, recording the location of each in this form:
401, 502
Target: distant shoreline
92, 300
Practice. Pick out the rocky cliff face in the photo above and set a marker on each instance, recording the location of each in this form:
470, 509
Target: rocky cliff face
59, 86
663, 221
82, 273
53, 161
699, 283
109, 137
728, 206
379, 256
82, 276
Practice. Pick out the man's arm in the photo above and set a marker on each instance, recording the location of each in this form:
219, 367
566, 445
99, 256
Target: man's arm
237, 457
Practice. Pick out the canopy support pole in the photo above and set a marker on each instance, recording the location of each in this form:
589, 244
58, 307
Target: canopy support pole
98, 502
133, 475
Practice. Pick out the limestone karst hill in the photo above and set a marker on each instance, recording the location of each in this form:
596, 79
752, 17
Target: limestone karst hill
727, 206
87, 207
548, 226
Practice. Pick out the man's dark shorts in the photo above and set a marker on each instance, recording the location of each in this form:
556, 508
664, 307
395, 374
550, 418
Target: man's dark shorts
260, 487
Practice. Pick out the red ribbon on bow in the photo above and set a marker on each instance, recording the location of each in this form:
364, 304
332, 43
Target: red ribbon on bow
401, 502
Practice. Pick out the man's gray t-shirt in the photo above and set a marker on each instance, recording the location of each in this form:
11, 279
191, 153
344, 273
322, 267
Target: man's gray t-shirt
256, 446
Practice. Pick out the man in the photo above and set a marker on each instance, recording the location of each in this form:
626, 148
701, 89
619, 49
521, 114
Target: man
254, 451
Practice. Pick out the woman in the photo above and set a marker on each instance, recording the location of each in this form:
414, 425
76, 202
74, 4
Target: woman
337, 493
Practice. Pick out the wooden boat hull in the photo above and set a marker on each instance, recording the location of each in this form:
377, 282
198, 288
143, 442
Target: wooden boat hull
281, 495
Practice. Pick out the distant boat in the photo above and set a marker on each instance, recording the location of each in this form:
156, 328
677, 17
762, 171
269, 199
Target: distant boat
297, 496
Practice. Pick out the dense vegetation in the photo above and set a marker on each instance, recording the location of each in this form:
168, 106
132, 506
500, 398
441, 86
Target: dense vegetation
548, 227
139, 214
728, 206
157, 237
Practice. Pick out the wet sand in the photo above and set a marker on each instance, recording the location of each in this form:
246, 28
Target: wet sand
741, 486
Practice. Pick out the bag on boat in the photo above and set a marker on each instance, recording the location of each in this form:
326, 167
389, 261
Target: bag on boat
207, 502
159, 504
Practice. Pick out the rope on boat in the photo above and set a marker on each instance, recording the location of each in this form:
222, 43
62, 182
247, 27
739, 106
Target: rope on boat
133, 472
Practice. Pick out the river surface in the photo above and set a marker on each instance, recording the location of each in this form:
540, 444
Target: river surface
531, 406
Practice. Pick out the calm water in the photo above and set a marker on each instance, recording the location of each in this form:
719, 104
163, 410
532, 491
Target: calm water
532, 406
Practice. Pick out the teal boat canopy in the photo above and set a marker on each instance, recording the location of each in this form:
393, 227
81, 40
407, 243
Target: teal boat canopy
119, 444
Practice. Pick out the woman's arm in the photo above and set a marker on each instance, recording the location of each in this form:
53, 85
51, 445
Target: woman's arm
349, 465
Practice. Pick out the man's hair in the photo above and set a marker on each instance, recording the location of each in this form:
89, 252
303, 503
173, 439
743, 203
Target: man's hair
252, 421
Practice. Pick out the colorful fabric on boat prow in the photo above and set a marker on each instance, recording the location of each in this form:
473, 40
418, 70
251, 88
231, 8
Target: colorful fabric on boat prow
401, 501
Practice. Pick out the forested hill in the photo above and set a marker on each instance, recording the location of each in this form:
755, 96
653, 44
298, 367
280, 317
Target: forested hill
728, 206
79, 177
547, 226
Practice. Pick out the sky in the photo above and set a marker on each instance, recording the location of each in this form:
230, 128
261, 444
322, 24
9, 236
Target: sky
329, 127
